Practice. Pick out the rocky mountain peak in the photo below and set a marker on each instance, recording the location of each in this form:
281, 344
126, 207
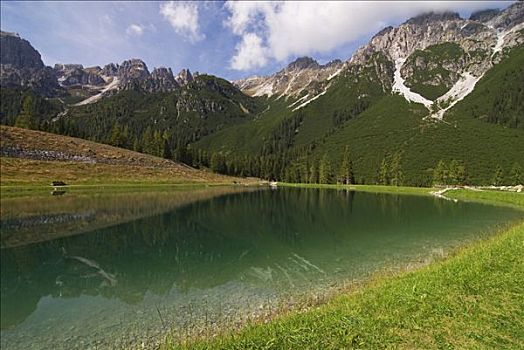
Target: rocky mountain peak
18, 53
299, 75
161, 72
161, 79
65, 67
133, 69
184, 77
508, 18
303, 63
21, 65
94, 70
382, 32
332, 63
110, 70
484, 15
76, 74
428, 17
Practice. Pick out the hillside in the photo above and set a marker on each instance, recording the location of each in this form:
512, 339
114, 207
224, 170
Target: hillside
382, 124
38, 158
437, 89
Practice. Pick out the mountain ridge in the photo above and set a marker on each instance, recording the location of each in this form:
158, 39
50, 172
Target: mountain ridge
412, 88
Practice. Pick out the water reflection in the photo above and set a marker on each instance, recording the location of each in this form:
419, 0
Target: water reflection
175, 248
26, 220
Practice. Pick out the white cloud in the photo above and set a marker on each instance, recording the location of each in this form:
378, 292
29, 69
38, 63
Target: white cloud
135, 30
250, 53
183, 17
278, 30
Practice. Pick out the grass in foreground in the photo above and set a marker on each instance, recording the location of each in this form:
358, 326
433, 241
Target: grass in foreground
473, 300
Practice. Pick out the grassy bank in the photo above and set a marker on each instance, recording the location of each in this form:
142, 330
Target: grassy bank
471, 300
489, 196
367, 188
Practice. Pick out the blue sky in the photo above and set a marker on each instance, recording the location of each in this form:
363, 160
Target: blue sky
228, 39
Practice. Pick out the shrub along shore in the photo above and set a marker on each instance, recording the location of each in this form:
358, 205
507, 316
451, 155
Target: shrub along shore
472, 299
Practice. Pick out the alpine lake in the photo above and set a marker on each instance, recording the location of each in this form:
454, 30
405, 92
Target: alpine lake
126, 269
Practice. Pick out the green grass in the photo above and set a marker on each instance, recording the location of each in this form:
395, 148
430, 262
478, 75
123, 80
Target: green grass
471, 300
367, 188
489, 196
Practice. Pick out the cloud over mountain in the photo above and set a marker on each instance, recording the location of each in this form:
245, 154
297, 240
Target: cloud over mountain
183, 17
278, 30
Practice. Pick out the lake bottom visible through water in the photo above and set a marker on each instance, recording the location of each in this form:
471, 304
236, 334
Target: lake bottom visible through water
150, 268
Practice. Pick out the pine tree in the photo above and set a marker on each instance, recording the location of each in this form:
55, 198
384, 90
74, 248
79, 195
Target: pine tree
137, 147
461, 174
498, 176
440, 174
304, 169
114, 139
313, 173
325, 172
217, 163
345, 174
383, 174
158, 144
166, 147
516, 174
452, 172
124, 137
25, 119
397, 177
147, 141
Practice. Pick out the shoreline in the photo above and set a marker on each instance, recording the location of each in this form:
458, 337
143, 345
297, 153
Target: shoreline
267, 330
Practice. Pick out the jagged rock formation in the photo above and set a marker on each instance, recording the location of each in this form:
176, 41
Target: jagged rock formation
75, 74
433, 51
297, 79
184, 77
161, 80
110, 70
132, 73
484, 15
442, 56
21, 65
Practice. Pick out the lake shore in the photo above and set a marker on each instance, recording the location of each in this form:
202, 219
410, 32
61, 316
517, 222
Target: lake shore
468, 300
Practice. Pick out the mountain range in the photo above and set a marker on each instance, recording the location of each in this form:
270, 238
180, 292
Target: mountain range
438, 98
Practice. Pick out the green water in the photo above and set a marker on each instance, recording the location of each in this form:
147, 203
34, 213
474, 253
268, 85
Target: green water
156, 263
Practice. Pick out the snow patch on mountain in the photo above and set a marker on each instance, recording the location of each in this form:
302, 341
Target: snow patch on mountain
461, 89
501, 37
111, 86
400, 87
335, 74
299, 100
266, 89
310, 100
